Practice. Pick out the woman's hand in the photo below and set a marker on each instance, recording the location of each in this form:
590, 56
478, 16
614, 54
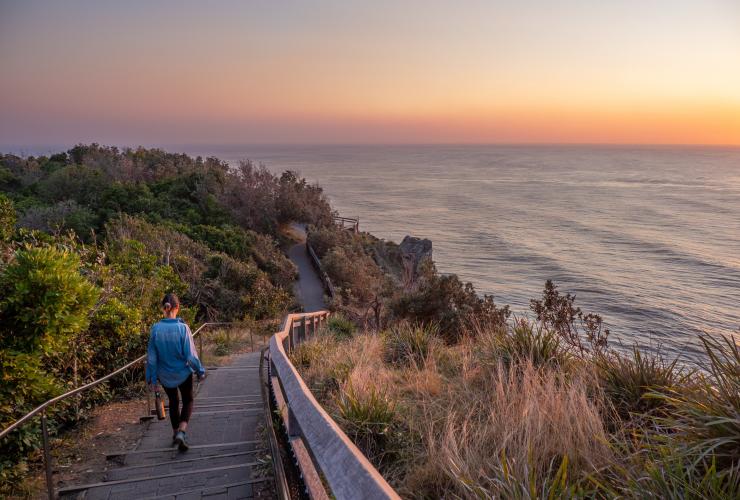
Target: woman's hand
201, 376
154, 387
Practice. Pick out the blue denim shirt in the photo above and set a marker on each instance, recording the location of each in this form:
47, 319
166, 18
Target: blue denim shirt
171, 356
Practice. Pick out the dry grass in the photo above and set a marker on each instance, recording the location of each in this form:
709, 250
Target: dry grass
467, 425
512, 413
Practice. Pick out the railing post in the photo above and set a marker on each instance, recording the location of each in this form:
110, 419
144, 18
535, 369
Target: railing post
200, 345
47, 456
251, 339
302, 330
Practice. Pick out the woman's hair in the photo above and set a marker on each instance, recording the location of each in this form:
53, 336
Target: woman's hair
170, 301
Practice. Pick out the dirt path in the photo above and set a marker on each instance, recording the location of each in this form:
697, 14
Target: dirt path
308, 289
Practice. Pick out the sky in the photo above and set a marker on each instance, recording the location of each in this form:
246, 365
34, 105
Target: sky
251, 71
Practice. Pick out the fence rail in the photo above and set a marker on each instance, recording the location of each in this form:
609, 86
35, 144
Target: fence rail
321, 448
320, 270
352, 223
41, 409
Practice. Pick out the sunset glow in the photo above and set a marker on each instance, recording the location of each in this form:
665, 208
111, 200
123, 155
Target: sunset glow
224, 72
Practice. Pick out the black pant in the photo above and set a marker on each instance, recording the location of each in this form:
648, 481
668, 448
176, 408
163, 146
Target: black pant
186, 391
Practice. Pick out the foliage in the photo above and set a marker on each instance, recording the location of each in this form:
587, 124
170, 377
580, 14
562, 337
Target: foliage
706, 416
369, 417
510, 412
407, 344
521, 341
7, 218
449, 303
583, 332
628, 381
340, 326
44, 300
102, 234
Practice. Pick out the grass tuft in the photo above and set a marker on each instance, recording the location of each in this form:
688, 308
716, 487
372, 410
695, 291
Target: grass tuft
410, 345
341, 327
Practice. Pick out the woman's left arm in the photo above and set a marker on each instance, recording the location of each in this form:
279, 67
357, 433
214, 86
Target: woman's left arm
191, 355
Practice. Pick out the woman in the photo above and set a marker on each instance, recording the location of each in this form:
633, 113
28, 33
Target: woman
172, 360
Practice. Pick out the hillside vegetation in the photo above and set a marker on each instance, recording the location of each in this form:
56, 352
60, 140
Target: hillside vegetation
452, 397
91, 239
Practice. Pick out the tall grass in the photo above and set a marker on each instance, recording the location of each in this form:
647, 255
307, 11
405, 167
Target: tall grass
706, 417
630, 381
514, 430
510, 413
407, 344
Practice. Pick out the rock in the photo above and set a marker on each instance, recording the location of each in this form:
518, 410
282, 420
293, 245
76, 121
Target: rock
414, 251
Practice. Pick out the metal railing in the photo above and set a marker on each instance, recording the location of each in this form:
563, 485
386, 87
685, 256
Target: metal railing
320, 447
41, 409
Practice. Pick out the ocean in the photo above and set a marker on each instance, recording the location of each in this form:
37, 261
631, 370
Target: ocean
647, 237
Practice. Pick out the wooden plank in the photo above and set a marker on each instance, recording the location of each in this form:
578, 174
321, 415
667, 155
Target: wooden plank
151, 478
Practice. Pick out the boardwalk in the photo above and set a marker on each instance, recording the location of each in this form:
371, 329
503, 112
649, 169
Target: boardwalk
224, 432
225, 447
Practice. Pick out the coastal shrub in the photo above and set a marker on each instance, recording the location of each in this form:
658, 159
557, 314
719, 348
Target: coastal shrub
324, 238
222, 344
521, 341
448, 303
340, 326
44, 300
410, 345
629, 381
705, 418
584, 333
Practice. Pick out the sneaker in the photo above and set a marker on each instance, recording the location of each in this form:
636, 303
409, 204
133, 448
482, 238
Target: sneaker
174, 438
181, 440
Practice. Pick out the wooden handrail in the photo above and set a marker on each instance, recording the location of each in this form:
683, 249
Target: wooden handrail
319, 268
349, 474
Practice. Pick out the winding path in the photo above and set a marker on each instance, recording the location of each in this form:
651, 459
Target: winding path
309, 288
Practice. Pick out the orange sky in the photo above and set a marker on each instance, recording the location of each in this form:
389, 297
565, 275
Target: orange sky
171, 72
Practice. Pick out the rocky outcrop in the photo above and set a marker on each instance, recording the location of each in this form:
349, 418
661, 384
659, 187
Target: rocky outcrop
414, 252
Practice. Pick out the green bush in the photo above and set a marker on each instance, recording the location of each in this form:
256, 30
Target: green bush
44, 300
410, 345
340, 326
629, 381
447, 302
524, 341
705, 418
